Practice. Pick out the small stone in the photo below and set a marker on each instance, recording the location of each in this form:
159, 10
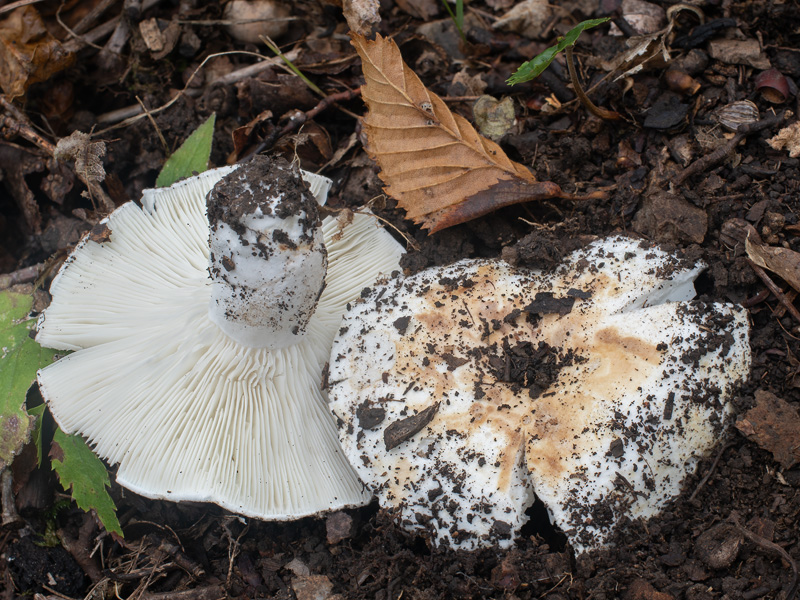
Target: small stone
298, 567
313, 587
339, 526
719, 546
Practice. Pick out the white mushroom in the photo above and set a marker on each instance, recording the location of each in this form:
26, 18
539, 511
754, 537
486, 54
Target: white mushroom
462, 391
156, 385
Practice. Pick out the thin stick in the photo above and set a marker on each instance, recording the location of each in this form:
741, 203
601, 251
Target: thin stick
764, 543
26, 275
17, 4
16, 122
713, 467
295, 123
101, 31
721, 153
776, 291
149, 115
126, 116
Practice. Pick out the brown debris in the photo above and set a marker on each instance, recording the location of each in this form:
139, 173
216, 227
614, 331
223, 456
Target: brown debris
739, 52
665, 217
404, 429
28, 53
783, 262
641, 589
774, 425
362, 16
787, 139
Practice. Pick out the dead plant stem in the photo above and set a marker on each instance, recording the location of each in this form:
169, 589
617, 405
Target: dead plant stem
296, 122
602, 113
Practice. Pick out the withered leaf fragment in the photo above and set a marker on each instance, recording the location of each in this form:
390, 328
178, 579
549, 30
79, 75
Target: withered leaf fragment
781, 261
28, 53
440, 170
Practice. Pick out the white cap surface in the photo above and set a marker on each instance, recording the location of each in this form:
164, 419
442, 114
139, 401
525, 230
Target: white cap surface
464, 390
157, 387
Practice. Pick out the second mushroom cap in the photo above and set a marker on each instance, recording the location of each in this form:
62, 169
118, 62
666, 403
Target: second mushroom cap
462, 391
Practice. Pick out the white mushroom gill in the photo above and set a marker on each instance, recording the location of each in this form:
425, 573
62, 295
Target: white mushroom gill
158, 387
596, 386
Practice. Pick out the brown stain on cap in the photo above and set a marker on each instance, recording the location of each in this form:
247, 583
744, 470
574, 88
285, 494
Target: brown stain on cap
565, 424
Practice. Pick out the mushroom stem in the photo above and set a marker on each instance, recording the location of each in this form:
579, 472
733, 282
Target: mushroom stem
268, 259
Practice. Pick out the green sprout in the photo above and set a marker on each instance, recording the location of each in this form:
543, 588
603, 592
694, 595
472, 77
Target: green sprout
534, 67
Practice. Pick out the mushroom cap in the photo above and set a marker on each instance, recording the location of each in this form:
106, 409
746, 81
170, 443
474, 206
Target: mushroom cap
596, 386
157, 387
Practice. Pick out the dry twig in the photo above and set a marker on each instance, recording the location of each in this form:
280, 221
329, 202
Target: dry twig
766, 544
721, 153
711, 470
776, 291
15, 122
123, 117
296, 122
26, 275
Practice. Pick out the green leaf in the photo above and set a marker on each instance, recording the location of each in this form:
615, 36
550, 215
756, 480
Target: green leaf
20, 358
37, 412
534, 67
81, 471
192, 157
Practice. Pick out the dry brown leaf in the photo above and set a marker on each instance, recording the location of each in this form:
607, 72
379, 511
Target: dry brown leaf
28, 53
781, 261
434, 163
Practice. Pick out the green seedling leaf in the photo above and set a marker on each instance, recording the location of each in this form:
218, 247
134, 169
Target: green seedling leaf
534, 67
80, 471
20, 358
192, 157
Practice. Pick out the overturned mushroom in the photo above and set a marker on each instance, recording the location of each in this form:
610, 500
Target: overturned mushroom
200, 372
462, 391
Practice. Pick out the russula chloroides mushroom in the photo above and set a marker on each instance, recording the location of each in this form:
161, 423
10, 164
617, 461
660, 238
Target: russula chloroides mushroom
462, 391
190, 370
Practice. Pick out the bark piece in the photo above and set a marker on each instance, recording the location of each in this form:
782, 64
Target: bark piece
665, 217
774, 425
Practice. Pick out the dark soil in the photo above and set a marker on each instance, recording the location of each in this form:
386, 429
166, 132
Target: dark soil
734, 531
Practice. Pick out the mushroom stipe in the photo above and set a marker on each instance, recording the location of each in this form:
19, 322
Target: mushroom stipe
156, 385
463, 392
